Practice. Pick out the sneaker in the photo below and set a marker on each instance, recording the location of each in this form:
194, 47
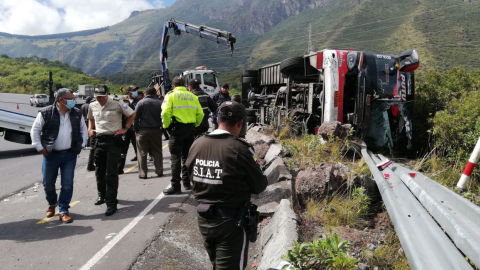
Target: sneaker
111, 210
172, 191
134, 159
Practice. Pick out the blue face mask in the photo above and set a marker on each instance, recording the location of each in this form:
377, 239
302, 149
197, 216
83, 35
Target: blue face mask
134, 95
70, 104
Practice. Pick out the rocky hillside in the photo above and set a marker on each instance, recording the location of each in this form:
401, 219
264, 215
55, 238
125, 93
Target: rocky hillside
446, 34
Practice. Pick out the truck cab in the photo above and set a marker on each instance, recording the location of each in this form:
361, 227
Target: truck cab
207, 78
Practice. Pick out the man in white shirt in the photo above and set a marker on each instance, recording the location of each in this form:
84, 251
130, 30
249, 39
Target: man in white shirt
59, 133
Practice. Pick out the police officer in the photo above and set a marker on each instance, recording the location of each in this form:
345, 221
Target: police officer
90, 142
131, 101
219, 98
105, 124
181, 113
224, 172
208, 105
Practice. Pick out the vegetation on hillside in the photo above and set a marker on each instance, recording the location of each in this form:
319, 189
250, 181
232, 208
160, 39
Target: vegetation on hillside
29, 75
446, 124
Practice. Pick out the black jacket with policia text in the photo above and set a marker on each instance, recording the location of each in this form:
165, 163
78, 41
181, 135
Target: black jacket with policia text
224, 170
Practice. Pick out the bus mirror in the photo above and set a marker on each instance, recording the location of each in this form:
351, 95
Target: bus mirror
407, 61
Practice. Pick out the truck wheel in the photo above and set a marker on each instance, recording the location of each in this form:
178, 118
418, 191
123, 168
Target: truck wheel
251, 112
252, 80
250, 73
291, 65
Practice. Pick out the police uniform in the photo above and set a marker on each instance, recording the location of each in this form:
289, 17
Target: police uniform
181, 113
224, 170
108, 119
207, 103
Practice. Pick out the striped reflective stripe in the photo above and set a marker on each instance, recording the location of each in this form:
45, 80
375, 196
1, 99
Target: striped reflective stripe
207, 181
242, 255
203, 96
204, 108
185, 107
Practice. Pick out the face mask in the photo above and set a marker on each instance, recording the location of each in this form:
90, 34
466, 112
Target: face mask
70, 104
134, 95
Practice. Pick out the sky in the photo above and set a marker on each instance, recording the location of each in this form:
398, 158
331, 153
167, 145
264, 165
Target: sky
42, 17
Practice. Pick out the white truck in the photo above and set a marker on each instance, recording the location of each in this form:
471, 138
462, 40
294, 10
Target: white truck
39, 100
85, 90
206, 77
15, 127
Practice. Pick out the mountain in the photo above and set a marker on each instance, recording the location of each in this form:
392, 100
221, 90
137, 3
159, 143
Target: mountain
446, 33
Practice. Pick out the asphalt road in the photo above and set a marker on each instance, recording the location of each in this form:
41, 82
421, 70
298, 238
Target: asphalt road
93, 240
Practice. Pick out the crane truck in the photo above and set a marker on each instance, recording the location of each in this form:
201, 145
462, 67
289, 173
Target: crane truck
373, 92
207, 78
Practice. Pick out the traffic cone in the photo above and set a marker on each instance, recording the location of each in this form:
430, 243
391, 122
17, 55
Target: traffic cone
18, 108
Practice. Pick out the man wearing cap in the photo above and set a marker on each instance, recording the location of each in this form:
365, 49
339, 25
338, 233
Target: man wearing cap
148, 127
224, 172
208, 105
59, 133
181, 113
105, 124
219, 98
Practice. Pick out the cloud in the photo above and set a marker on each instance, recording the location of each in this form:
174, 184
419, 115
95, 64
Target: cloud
40, 17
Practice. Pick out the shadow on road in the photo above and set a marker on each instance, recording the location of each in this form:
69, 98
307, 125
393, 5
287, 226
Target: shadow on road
28, 231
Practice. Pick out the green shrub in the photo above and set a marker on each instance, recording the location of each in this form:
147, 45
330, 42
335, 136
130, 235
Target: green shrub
327, 252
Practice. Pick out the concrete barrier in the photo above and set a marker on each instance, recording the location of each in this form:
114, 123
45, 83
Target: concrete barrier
278, 235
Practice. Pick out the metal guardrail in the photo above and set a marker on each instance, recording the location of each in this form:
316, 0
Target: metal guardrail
424, 242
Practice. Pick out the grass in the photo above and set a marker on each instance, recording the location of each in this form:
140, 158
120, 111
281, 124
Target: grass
341, 210
435, 167
388, 255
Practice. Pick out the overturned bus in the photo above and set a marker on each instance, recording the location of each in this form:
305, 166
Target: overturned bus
373, 92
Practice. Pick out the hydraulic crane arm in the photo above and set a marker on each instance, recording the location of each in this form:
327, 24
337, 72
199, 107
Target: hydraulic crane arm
221, 37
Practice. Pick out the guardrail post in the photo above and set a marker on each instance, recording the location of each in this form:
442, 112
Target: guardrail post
467, 173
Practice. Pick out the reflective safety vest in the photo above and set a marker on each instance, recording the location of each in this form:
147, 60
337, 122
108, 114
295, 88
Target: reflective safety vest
182, 105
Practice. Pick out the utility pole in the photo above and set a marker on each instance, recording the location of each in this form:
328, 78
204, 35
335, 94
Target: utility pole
50, 83
310, 45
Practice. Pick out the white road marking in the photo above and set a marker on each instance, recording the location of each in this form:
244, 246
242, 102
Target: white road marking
121, 234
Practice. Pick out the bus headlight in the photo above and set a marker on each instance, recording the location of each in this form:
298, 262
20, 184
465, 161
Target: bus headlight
351, 60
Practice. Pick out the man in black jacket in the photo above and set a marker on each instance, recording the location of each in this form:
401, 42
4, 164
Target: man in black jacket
59, 134
208, 105
148, 127
131, 101
219, 98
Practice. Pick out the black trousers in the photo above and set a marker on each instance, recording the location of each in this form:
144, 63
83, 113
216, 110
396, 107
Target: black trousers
225, 242
129, 138
107, 157
181, 139
91, 154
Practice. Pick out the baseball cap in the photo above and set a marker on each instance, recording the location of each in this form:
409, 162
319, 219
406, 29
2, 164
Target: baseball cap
132, 88
225, 85
231, 108
193, 83
101, 90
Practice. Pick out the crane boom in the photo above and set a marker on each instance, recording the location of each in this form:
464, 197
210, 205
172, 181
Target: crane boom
219, 36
